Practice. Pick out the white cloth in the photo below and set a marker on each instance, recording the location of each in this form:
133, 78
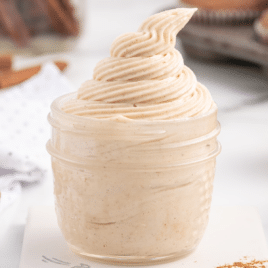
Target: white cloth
24, 130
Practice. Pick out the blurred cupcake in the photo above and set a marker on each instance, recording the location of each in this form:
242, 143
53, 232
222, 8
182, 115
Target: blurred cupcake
234, 12
261, 27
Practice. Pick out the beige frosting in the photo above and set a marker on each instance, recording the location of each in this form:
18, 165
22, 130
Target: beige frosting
138, 189
145, 77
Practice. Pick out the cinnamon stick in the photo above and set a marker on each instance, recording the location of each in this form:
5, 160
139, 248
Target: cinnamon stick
5, 63
13, 24
12, 78
63, 21
35, 16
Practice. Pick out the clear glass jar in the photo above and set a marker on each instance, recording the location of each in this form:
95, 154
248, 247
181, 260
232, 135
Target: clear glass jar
132, 192
34, 27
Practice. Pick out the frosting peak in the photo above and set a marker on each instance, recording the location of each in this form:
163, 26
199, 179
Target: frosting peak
145, 77
156, 35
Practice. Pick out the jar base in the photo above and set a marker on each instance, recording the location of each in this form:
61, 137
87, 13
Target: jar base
131, 260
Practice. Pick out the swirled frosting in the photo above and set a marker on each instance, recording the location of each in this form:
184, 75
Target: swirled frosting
145, 77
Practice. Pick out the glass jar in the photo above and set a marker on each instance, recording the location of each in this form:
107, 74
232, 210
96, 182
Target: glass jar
131, 191
34, 27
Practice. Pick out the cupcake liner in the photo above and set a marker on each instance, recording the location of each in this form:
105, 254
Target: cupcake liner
222, 17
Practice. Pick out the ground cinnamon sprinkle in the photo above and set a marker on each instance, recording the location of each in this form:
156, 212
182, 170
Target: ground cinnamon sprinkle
251, 264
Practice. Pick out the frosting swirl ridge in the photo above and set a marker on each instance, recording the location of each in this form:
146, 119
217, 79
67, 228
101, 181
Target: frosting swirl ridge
145, 77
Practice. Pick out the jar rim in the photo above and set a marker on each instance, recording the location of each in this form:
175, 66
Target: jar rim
55, 109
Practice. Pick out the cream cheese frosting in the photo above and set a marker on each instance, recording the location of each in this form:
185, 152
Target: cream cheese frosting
145, 77
132, 183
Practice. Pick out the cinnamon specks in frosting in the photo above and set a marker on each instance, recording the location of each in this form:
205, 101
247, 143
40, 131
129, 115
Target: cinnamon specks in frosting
145, 77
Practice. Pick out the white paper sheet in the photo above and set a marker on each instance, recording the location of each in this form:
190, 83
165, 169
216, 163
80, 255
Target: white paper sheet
233, 234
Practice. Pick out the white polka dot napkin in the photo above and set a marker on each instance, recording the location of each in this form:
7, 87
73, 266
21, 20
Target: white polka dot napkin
24, 130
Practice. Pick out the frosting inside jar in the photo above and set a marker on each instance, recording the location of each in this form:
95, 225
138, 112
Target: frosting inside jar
133, 182
145, 78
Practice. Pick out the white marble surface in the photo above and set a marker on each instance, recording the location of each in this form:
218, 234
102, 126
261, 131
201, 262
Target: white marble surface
241, 93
